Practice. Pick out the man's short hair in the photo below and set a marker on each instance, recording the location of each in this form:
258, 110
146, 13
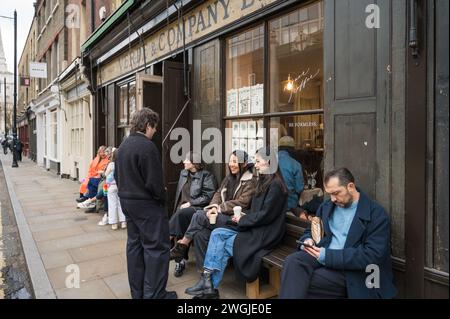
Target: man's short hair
143, 117
343, 174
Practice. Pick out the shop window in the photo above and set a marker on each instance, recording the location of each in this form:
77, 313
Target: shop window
307, 133
127, 106
247, 135
296, 60
245, 73
294, 105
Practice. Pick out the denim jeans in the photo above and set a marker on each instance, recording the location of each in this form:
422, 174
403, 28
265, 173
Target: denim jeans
220, 249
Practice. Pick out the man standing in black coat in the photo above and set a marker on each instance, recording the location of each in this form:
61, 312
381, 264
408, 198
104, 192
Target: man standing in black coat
139, 178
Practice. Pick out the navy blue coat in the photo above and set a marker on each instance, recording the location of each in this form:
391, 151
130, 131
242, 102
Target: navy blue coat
368, 242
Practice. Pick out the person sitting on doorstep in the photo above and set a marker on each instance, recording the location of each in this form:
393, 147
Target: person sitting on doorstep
253, 235
96, 167
95, 193
196, 187
236, 189
356, 235
292, 172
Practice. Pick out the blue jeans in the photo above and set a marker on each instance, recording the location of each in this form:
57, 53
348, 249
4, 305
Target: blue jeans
220, 249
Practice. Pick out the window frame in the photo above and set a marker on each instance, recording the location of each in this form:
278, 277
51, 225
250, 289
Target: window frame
267, 115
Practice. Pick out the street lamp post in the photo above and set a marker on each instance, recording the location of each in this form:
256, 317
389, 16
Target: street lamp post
6, 130
14, 163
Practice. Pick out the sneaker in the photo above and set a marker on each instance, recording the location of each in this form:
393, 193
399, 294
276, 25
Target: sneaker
114, 226
80, 199
123, 225
104, 220
179, 269
86, 204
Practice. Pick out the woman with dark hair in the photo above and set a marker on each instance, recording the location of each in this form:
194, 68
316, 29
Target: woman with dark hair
236, 190
195, 189
256, 233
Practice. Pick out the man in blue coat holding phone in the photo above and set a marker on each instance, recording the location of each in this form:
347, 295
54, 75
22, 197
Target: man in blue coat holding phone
352, 260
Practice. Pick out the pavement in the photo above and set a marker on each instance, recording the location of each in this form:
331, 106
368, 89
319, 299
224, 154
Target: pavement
57, 238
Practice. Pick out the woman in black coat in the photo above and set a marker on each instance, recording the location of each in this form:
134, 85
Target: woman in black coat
252, 236
195, 189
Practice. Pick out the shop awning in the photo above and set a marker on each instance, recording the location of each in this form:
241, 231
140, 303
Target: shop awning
107, 24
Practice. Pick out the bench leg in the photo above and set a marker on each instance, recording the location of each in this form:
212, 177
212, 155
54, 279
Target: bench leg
254, 291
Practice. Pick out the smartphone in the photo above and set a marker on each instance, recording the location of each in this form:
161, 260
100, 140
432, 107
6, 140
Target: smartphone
300, 243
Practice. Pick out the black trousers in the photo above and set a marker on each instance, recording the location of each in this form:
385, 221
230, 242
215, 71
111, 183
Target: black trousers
303, 277
180, 220
147, 248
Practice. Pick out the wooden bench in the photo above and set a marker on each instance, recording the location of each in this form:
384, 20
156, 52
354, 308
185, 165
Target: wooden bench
274, 261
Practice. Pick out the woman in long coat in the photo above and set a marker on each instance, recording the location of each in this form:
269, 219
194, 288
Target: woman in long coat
256, 233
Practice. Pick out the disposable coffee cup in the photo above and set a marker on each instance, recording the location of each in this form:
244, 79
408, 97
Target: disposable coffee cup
237, 210
212, 218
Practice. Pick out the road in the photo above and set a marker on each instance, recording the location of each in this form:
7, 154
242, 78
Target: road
14, 279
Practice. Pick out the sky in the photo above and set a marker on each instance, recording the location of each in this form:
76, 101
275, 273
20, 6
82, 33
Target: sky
25, 12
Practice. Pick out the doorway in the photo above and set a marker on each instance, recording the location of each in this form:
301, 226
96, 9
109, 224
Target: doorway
165, 95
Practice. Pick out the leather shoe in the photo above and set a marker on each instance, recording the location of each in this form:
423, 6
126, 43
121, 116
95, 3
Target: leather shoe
214, 295
178, 252
171, 295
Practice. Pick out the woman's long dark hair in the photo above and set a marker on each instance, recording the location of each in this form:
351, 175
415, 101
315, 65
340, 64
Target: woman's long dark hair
232, 181
273, 176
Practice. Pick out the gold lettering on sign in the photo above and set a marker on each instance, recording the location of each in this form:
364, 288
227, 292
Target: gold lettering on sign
206, 18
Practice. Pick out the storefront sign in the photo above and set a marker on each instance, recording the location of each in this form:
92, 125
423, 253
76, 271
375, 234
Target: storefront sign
207, 18
38, 70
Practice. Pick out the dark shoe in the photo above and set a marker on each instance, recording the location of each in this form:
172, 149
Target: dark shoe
214, 295
179, 269
80, 199
203, 287
171, 295
178, 252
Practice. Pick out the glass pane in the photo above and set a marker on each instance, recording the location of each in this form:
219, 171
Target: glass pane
123, 105
245, 73
246, 135
296, 61
132, 98
307, 133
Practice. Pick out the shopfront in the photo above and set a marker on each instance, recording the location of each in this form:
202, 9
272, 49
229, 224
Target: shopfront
263, 70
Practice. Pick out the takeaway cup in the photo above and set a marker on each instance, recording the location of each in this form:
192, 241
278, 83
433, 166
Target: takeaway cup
237, 210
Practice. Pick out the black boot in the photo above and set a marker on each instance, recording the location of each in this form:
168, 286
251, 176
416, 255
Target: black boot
203, 287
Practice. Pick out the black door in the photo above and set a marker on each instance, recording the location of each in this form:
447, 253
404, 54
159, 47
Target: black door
173, 103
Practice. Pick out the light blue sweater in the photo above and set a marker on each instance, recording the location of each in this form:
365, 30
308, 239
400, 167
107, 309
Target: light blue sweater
339, 223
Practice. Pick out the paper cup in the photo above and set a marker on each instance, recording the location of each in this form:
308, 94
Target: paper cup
212, 218
237, 210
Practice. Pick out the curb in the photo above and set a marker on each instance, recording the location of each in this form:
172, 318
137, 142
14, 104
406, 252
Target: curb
39, 278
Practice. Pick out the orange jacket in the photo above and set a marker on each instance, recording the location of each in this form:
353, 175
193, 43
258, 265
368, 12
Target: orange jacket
95, 167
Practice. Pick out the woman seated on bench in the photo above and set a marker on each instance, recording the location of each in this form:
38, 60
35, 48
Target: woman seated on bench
252, 235
195, 189
236, 189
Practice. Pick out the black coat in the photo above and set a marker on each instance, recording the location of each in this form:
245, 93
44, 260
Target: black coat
138, 170
203, 186
260, 231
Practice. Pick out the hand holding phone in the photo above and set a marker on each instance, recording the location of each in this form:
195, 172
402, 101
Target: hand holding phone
306, 244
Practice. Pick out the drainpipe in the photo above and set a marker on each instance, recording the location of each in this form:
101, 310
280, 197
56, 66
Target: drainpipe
92, 16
